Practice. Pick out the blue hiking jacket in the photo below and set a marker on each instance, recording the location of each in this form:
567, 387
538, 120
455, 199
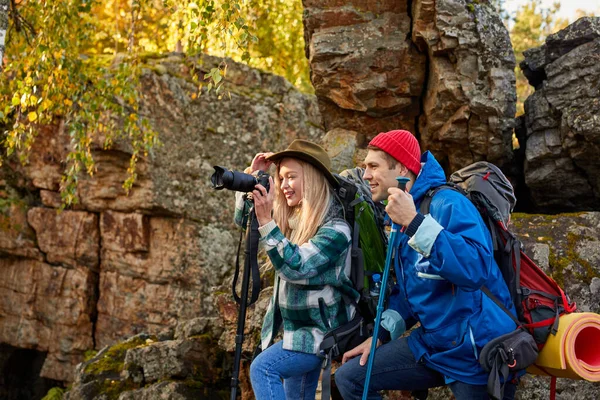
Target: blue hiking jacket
439, 272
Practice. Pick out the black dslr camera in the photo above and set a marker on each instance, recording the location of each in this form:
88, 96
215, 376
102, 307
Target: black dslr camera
223, 178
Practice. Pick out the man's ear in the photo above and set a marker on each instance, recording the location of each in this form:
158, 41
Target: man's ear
401, 170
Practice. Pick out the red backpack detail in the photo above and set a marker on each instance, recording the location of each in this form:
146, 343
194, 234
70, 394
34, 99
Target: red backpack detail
538, 299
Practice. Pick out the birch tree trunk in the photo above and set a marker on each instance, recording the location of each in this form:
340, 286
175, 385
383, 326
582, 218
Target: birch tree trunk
3, 28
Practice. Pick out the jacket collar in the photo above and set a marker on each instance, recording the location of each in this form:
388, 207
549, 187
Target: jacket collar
431, 176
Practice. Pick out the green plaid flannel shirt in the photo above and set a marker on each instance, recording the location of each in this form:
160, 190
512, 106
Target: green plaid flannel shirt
310, 282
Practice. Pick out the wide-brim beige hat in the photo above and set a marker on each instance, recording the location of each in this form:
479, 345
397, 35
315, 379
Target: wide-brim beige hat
310, 152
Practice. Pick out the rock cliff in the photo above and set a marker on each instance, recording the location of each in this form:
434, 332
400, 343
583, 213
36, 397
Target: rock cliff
441, 69
560, 132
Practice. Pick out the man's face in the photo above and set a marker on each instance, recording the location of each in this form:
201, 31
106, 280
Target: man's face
379, 174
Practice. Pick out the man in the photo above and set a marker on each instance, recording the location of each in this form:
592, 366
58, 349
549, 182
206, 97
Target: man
441, 262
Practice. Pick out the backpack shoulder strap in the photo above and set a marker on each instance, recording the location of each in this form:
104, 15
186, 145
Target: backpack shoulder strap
326, 378
426, 202
489, 294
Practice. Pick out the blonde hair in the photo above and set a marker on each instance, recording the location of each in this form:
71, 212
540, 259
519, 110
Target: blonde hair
312, 209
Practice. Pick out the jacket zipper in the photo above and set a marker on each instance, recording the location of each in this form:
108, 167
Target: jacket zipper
473, 343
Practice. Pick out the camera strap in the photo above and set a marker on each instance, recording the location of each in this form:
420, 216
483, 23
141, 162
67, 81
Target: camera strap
251, 260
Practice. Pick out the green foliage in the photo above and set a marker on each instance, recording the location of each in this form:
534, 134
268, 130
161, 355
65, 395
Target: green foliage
55, 393
49, 75
280, 44
80, 61
265, 34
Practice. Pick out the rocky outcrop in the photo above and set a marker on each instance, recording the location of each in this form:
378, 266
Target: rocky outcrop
48, 308
189, 366
441, 69
561, 133
118, 264
258, 111
567, 247
48, 280
367, 74
469, 101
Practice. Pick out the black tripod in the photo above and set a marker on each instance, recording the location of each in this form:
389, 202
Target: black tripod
250, 266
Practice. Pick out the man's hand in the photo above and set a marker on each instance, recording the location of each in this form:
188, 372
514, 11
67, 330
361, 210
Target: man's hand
400, 207
263, 202
363, 349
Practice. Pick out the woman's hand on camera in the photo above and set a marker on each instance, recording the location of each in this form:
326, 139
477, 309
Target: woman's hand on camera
263, 202
259, 163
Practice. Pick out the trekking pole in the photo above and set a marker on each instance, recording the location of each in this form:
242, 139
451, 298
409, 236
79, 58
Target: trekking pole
250, 265
402, 181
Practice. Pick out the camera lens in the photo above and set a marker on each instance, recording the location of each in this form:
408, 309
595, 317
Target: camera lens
223, 178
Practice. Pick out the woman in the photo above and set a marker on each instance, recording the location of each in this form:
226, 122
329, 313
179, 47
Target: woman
307, 240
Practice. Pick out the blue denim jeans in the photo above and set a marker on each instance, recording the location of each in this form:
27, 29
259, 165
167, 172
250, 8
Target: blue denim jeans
395, 368
278, 374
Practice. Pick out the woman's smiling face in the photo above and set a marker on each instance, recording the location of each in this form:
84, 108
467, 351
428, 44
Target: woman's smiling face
291, 177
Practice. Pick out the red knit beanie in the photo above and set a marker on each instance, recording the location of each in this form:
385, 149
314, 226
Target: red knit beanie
401, 145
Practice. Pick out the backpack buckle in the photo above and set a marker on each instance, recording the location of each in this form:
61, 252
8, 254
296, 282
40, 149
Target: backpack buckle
524, 291
342, 192
511, 355
335, 350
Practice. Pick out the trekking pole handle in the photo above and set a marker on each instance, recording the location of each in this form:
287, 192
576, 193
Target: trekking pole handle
402, 181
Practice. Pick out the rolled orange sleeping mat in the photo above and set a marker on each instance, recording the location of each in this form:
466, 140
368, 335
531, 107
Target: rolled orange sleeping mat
574, 352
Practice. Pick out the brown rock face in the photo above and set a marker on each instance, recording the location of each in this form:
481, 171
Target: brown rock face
441, 69
153, 274
469, 104
367, 74
48, 285
16, 236
70, 238
47, 308
562, 128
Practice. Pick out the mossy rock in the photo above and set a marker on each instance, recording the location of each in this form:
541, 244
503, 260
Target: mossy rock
564, 234
109, 363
